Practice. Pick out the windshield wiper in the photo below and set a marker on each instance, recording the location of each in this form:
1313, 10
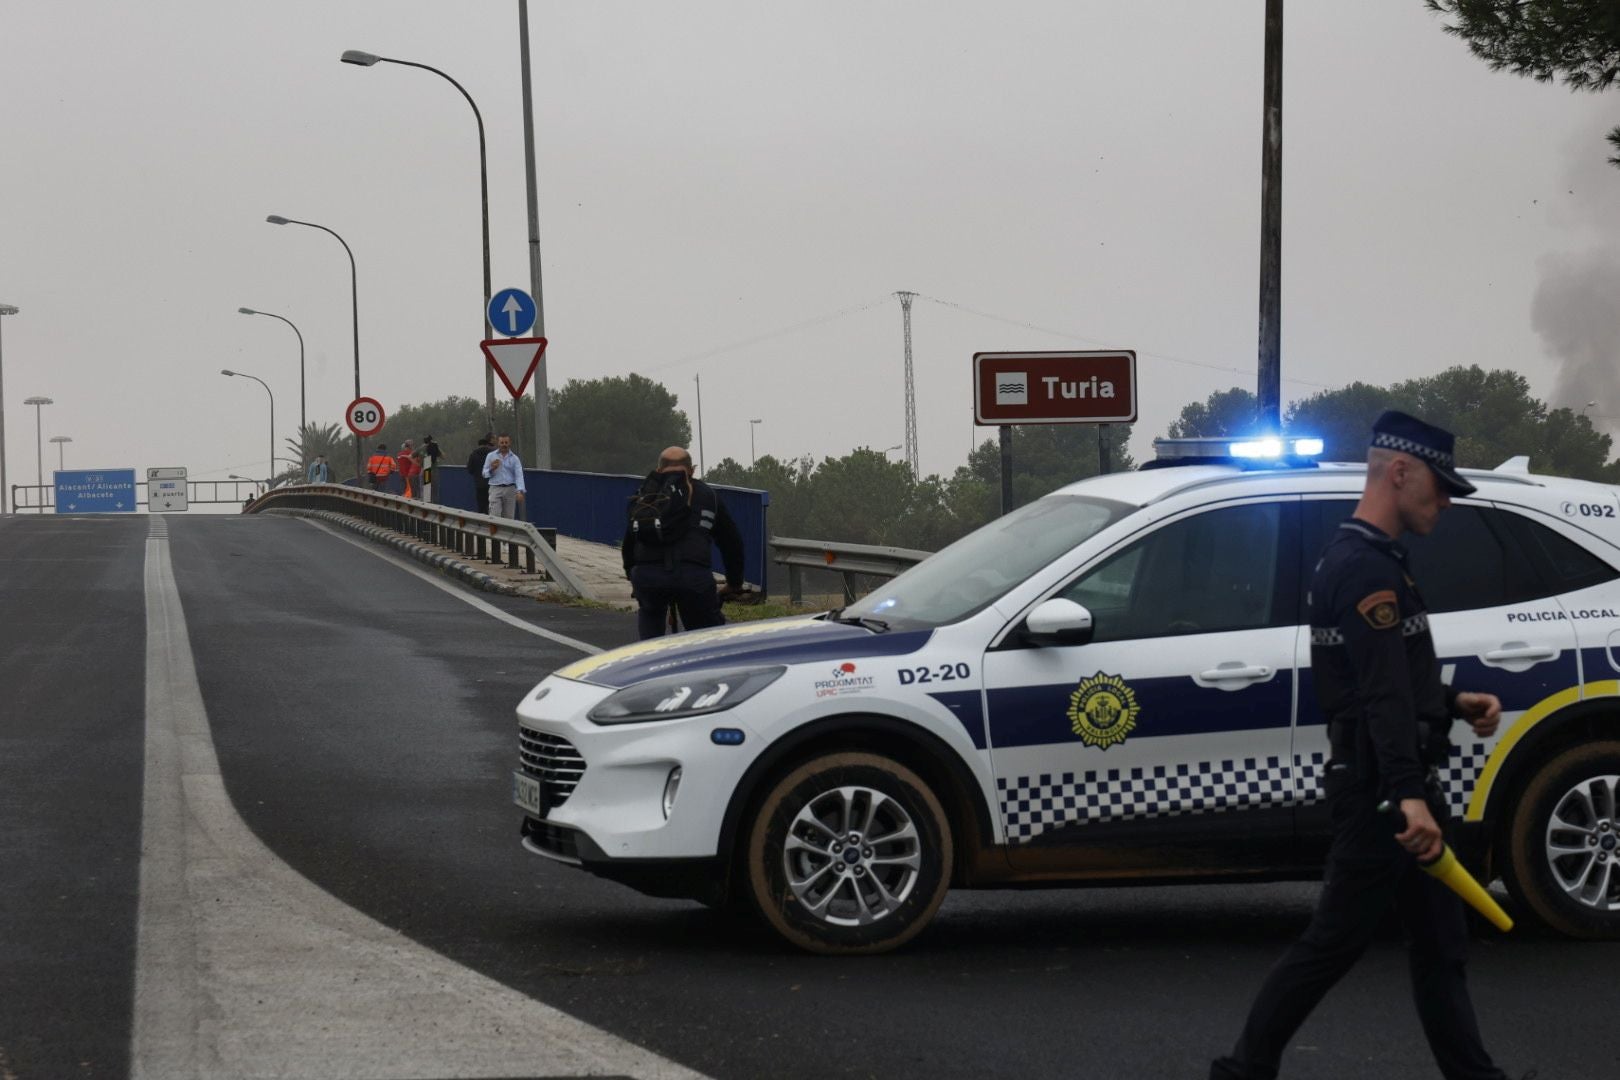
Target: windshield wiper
875, 625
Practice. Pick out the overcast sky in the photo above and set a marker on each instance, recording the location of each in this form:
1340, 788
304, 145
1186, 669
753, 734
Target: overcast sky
714, 172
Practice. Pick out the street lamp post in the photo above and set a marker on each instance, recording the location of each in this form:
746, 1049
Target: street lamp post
303, 403
354, 298
271, 466
61, 442
365, 59
39, 446
5, 309
751, 425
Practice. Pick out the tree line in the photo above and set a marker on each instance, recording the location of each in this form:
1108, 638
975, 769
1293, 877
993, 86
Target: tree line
619, 424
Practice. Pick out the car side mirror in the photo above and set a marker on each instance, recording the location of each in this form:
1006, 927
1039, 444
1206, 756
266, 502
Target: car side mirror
1058, 622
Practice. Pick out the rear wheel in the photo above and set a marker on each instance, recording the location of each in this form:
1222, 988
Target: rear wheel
1564, 843
850, 853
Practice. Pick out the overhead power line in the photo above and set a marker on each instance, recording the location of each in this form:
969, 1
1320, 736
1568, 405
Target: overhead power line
769, 335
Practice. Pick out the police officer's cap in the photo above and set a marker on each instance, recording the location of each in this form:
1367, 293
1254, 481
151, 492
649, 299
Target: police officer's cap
1431, 445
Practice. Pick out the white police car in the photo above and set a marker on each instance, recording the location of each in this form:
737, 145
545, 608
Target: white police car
1110, 683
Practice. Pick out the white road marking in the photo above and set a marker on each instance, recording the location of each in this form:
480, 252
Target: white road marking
459, 592
244, 968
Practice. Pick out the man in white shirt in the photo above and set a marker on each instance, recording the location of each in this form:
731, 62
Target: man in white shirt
505, 473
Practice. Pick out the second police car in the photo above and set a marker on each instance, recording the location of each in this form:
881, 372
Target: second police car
1110, 683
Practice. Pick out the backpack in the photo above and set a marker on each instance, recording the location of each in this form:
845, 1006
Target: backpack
661, 510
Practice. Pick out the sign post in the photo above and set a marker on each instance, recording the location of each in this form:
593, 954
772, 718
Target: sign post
1090, 387
166, 490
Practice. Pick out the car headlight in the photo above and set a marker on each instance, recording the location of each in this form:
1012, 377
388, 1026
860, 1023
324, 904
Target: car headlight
678, 696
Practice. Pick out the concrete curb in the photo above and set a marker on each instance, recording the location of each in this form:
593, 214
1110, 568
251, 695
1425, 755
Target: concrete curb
422, 553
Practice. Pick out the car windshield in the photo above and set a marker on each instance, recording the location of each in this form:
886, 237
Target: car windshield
980, 568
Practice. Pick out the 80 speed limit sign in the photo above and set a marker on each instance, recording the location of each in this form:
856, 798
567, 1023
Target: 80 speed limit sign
365, 417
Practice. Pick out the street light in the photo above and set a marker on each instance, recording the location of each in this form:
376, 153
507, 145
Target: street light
303, 415
365, 59
271, 466
5, 309
61, 442
354, 296
751, 425
39, 447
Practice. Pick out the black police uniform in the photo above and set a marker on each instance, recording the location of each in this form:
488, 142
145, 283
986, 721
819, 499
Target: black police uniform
1378, 684
679, 573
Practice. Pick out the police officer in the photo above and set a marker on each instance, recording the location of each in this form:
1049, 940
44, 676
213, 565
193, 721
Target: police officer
1378, 685
675, 570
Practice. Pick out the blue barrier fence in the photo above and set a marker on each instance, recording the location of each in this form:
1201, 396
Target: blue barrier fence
591, 506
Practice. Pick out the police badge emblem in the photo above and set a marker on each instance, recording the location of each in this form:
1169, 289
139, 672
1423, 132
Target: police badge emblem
1103, 710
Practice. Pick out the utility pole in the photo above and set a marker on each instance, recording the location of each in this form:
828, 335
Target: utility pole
542, 395
911, 385
699, 380
1270, 388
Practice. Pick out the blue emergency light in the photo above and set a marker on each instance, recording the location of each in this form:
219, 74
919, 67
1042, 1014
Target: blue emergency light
1281, 451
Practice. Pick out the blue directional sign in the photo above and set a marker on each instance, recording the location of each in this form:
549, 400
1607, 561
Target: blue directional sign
511, 312
95, 491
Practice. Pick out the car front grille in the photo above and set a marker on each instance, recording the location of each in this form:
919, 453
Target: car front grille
553, 761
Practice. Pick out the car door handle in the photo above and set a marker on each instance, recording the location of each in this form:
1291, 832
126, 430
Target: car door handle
1517, 651
1229, 674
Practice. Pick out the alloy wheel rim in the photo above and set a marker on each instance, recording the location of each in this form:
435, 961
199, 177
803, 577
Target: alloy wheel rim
1583, 843
852, 856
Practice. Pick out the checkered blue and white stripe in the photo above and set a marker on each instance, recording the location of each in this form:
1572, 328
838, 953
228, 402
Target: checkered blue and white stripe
1416, 449
1032, 805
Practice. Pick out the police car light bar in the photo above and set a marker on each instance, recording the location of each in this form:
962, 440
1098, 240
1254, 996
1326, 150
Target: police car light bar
1267, 449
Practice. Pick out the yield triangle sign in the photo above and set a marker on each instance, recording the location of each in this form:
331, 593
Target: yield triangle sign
514, 360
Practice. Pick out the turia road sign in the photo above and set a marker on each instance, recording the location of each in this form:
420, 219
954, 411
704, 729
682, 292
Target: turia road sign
1096, 387
514, 360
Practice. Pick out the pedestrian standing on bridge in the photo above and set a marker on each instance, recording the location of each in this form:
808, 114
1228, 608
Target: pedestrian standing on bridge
675, 521
475, 469
409, 470
505, 474
319, 471
380, 467
1388, 716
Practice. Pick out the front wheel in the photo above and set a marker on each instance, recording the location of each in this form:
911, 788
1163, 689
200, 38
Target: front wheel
850, 853
1564, 843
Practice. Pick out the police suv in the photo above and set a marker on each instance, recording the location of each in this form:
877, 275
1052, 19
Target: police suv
1110, 683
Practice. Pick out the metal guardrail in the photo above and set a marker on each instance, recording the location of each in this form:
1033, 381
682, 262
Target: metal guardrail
846, 559
479, 536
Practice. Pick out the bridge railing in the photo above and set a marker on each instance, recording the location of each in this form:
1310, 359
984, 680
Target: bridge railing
845, 559
517, 544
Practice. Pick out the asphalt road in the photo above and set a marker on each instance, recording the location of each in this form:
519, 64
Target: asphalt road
363, 722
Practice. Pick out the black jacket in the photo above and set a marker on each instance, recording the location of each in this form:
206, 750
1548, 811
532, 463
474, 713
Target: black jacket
1377, 677
711, 526
475, 465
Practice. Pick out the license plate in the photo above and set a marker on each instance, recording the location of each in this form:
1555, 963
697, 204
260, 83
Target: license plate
526, 792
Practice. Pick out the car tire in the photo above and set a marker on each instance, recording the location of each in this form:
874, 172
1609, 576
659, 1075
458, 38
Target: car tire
1564, 843
850, 853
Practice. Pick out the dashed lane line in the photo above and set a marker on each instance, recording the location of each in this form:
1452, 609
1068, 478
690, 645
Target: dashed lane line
244, 968
459, 593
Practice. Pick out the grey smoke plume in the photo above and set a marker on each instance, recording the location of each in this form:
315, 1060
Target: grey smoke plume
1576, 311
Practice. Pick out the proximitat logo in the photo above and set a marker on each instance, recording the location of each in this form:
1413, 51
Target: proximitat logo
1012, 388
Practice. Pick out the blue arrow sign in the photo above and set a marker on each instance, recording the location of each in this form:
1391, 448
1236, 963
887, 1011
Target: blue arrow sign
511, 312
98, 491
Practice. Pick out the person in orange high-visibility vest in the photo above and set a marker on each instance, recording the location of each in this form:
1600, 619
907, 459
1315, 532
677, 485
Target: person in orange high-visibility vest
379, 467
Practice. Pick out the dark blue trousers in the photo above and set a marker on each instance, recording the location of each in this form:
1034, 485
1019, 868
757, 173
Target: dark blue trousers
688, 587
